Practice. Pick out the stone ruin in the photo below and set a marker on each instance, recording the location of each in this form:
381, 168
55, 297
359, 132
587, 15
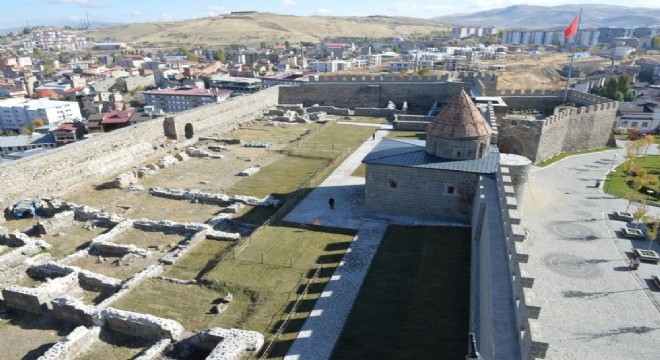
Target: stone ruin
58, 280
294, 114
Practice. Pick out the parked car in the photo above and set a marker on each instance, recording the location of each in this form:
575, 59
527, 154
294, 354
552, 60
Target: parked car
656, 280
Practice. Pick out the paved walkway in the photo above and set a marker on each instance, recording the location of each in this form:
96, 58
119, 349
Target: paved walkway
593, 306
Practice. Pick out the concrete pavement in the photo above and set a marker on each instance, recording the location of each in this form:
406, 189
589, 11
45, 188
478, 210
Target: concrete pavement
593, 305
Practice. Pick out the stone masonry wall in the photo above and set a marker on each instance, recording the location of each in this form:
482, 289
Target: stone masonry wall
64, 169
417, 186
226, 115
421, 95
503, 313
586, 126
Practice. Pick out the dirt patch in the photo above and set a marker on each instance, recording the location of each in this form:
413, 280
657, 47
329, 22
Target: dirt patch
27, 336
117, 267
114, 345
71, 239
149, 239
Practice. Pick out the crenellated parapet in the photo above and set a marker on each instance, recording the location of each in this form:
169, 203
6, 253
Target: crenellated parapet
501, 285
467, 76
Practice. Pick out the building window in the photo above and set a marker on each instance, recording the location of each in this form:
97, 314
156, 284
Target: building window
394, 183
645, 124
450, 190
634, 124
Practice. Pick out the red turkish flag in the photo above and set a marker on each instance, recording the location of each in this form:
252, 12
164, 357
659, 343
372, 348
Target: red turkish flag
572, 28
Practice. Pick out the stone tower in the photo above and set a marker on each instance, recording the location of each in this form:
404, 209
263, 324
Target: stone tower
459, 132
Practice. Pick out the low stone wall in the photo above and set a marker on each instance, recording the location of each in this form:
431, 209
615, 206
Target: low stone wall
75, 311
35, 300
378, 112
154, 351
72, 345
228, 344
331, 110
141, 325
167, 225
104, 248
58, 221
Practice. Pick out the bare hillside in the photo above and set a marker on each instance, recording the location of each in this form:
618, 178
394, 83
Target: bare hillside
252, 29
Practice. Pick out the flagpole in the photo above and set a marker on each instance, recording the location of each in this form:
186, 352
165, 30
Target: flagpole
570, 67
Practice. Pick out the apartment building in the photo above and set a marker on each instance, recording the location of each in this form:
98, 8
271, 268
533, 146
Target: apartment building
16, 113
185, 98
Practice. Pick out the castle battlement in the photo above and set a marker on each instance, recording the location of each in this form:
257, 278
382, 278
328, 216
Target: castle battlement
467, 76
505, 209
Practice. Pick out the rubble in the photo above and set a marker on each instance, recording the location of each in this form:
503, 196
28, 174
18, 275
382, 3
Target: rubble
124, 180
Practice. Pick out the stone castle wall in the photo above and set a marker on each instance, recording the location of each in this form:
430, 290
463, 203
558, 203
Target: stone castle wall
62, 170
420, 92
415, 186
586, 126
503, 312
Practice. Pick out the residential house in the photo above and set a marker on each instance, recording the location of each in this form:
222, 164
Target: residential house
239, 85
69, 132
643, 115
18, 143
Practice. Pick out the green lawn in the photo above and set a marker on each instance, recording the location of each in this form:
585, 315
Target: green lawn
360, 171
616, 185
415, 301
406, 134
263, 292
368, 120
570, 153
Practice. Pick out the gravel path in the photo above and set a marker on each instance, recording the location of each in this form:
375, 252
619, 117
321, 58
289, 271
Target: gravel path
593, 306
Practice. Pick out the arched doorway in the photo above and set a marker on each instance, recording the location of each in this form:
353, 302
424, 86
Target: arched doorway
188, 131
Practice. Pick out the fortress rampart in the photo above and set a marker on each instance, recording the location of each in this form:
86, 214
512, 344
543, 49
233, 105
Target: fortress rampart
63, 169
587, 125
420, 92
503, 311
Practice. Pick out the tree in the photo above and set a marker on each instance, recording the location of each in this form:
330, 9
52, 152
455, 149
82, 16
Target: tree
423, 71
648, 141
39, 122
396, 48
29, 129
262, 45
630, 196
641, 211
656, 42
219, 55
287, 44
653, 231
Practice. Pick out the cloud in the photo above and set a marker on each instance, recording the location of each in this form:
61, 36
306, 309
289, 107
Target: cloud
216, 8
289, 2
166, 17
83, 3
322, 11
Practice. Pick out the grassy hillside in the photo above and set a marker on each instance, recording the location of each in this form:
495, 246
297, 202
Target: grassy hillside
252, 29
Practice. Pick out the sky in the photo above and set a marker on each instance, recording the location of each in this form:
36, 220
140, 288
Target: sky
70, 12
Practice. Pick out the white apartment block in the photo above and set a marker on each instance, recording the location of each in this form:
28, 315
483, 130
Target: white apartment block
396, 66
55, 39
330, 66
16, 114
182, 99
461, 32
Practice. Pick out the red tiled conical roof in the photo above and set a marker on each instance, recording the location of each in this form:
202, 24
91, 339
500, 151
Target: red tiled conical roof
459, 119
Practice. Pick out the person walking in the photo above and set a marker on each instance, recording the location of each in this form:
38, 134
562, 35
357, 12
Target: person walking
331, 202
373, 136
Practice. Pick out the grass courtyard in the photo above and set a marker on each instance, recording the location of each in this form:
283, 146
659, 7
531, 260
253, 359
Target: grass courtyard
414, 303
617, 181
262, 291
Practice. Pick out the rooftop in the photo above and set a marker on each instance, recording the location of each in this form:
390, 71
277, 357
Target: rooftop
460, 118
412, 153
188, 92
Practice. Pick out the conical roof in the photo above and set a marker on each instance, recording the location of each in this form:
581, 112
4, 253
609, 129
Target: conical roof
459, 119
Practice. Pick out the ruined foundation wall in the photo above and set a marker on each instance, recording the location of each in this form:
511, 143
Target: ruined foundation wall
63, 169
